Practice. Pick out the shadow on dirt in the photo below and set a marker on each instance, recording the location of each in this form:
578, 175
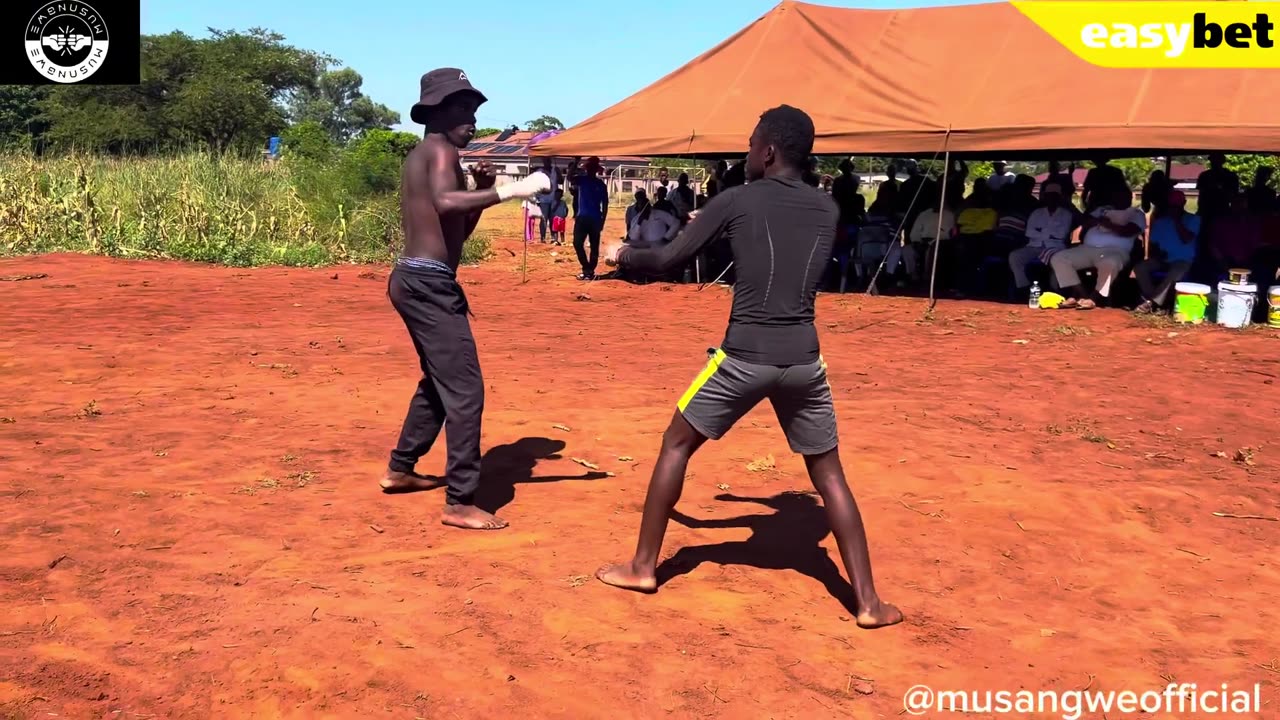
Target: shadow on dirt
787, 539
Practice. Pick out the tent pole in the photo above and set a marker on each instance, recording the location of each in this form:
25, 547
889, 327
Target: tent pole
524, 260
937, 236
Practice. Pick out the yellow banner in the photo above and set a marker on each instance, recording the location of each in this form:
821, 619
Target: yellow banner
1155, 34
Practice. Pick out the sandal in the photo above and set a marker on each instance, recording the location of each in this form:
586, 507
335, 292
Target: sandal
1086, 305
1069, 304
1146, 308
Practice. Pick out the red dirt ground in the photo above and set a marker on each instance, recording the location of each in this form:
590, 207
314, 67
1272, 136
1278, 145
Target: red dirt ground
212, 543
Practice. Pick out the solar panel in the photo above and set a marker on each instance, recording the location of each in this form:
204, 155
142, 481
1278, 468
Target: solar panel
507, 150
506, 134
480, 145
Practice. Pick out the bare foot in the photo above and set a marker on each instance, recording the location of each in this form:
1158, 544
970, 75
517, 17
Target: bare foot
625, 576
470, 517
880, 615
406, 482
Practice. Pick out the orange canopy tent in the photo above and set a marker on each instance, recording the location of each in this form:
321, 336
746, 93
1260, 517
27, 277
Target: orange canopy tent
964, 79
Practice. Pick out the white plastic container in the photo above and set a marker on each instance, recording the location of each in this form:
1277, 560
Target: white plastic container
1235, 304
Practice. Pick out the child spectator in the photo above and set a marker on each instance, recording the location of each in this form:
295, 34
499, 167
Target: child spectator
559, 218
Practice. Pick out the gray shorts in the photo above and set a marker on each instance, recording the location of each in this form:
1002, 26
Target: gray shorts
727, 389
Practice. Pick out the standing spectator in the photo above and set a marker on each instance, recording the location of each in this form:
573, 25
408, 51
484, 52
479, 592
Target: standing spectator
574, 176
736, 175
593, 209
890, 178
1216, 186
546, 201
1101, 184
715, 181
810, 175
1066, 181
683, 198
1262, 199
1155, 193
844, 190
1174, 235
664, 182
1000, 176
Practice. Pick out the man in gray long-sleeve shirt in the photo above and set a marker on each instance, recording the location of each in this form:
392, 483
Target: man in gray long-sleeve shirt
780, 232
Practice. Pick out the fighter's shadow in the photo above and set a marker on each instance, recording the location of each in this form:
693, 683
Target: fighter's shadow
504, 467
788, 539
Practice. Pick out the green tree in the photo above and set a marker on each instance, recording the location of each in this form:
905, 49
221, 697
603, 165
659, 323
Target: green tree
224, 91
485, 132
1246, 166
309, 140
543, 124
21, 119
337, 104
1136, 170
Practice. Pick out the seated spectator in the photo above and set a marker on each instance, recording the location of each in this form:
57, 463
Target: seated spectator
978, 215
639, 206
652, 227
1048, 231
1174, 234
924, 231
1262, 199
662, 202
1110, 233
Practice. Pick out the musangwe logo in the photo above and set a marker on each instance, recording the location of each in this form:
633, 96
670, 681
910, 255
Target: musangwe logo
67, 40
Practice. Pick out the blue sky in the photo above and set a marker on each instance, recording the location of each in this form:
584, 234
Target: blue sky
570, 63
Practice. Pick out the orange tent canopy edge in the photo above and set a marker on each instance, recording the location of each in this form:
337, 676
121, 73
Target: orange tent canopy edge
970, 79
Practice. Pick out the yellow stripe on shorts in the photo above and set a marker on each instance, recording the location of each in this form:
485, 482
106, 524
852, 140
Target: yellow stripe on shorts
712, 366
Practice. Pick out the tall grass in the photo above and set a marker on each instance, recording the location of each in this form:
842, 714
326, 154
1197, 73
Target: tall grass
199, 207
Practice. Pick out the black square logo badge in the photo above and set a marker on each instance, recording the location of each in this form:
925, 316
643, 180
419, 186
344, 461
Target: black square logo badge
70, 42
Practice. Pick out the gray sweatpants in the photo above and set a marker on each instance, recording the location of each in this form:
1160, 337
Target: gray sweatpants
728, 389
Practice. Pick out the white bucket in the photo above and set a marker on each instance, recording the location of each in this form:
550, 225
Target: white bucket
1235, 304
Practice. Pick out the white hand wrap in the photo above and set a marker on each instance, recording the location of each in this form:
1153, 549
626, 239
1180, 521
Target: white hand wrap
536, 183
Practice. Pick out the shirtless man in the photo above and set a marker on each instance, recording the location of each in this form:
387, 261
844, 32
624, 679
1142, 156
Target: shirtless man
438, 213
780, 232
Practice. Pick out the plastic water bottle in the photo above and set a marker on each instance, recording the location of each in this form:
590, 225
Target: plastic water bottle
1034, 301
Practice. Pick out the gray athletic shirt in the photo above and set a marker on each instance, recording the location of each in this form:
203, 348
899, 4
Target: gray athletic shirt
781, 232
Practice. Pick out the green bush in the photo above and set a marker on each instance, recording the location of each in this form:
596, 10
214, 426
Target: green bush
309, 140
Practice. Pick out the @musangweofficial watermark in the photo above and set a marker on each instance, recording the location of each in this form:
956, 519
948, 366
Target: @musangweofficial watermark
1176, 698
92, 42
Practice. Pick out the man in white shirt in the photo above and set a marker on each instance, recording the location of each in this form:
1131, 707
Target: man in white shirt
1110, 234
921, 236
1000, 176
1048, 231
652, 228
